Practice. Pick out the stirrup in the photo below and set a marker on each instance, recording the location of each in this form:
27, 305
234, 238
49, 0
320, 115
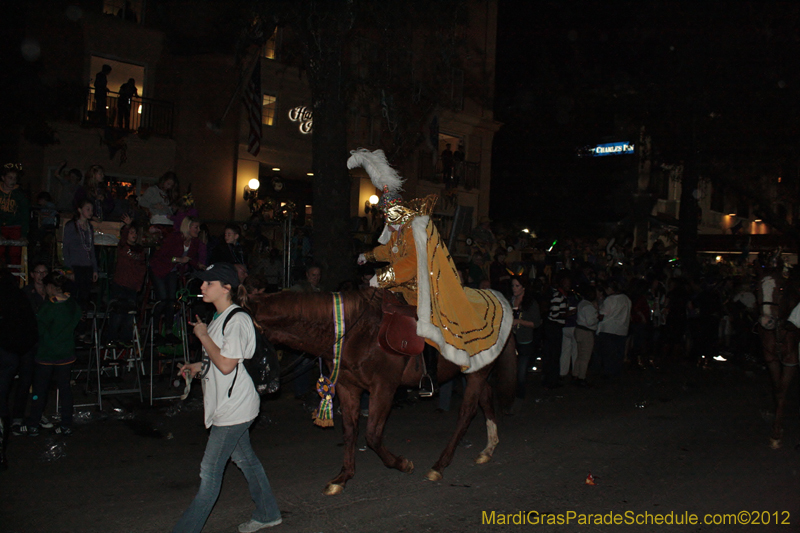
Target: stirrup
426, 392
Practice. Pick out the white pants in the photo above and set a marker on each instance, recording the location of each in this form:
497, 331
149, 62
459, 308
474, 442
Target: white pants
569, 349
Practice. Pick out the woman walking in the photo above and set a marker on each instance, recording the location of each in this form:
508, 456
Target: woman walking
230, 402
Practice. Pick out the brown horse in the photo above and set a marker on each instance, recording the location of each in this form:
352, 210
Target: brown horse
304, 321
779, 337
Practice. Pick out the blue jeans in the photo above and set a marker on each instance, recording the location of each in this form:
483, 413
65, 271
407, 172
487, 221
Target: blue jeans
228, 442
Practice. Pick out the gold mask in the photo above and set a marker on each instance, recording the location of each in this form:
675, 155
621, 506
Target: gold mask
399, 215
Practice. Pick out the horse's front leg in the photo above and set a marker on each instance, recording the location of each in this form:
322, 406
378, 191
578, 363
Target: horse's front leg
492, 440
476, 382
348, 400
380, 404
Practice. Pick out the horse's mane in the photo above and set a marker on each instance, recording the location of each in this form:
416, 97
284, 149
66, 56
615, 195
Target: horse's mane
316, 306
309, 315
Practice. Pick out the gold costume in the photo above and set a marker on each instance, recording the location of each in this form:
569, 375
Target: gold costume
469, 326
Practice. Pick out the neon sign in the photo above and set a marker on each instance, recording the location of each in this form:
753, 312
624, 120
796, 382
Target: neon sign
304, 116
620, 148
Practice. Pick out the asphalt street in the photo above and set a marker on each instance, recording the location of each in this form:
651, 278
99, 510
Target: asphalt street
668, 446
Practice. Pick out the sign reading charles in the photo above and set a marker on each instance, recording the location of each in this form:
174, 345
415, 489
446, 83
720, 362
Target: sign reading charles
620, 148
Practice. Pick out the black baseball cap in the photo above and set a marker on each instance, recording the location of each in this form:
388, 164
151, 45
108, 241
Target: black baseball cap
225, 273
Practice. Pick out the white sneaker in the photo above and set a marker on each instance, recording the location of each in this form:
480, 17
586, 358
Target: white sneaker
254, 525
45, 423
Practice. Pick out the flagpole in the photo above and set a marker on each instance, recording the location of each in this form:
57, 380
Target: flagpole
236, 93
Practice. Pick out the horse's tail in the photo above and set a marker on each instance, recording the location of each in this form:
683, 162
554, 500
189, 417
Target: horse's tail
506, 371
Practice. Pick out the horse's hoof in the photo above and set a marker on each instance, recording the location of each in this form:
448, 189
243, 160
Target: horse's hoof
333, 489
407, 466
433, 475
483, 459
775, 443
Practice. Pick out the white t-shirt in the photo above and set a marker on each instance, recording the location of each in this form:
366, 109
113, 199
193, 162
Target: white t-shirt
587, 315
226, 402
152, 196
794, 317
616, 311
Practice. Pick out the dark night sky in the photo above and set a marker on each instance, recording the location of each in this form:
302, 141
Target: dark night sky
571, 74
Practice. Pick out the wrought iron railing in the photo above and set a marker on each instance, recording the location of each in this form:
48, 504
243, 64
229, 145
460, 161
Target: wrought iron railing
145, 116
466, 174
471, 178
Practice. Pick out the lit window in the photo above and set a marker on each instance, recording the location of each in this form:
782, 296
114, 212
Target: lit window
268, 110
271, 46
129, 10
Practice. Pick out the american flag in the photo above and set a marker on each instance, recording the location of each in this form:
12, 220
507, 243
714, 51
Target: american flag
253, 101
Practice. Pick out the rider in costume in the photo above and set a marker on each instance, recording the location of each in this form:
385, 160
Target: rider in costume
468, 326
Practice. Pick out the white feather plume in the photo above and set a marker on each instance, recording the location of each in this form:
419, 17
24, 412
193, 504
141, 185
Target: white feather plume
376, 165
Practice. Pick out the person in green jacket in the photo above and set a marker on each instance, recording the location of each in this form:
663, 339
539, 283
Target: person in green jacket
57, 320
15, 212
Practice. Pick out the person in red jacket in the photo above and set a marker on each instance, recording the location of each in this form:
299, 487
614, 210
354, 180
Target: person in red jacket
179, 251
128, 279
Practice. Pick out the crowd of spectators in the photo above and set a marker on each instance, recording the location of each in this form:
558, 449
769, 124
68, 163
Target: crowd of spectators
583, 309
158, 240
602, 307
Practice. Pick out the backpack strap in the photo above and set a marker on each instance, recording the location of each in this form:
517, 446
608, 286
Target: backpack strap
230, 315
225, 323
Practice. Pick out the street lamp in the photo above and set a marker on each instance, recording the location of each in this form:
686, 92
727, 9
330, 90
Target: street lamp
251, 189
369, 205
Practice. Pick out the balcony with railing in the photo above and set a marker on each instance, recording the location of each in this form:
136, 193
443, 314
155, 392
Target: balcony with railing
145, 116
465, 174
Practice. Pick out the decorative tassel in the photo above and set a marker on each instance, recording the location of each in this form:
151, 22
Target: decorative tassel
326, 387
323, 416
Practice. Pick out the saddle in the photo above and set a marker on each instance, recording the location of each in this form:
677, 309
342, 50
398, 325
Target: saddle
398, 333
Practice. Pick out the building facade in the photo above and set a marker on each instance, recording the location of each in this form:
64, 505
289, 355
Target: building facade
187, 115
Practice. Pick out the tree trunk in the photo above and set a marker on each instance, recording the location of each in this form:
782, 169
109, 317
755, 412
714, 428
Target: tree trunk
331, 183
688, 217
